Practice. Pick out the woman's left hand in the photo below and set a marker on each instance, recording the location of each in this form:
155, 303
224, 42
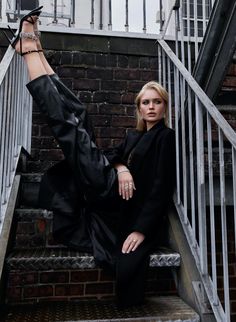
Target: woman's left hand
132, 242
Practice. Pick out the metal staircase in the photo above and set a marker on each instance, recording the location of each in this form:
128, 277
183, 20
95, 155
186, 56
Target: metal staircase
205, 197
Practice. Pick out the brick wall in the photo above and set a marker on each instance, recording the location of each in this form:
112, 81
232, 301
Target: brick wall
106, 80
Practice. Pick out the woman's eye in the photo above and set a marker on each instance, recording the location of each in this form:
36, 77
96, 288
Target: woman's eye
146, 102
157, 101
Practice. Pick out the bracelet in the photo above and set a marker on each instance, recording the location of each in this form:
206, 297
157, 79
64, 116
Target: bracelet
118, 172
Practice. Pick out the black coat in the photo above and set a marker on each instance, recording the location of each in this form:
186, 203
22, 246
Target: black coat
102, 224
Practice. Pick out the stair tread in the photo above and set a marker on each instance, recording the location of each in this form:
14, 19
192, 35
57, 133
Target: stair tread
159, 309
57, 258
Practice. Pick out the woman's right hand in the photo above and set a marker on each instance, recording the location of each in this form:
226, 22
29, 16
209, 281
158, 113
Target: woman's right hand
126, 183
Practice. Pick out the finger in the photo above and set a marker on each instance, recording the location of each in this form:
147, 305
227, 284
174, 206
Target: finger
132, 243
136, 246
126, 244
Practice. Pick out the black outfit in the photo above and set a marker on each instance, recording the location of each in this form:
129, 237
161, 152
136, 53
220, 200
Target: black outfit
82, 190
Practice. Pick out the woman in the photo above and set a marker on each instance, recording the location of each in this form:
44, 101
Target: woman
114, 203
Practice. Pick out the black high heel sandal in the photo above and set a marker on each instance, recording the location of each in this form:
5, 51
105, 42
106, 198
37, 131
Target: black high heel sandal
20, 34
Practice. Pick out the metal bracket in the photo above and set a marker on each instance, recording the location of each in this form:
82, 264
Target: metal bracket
201, 297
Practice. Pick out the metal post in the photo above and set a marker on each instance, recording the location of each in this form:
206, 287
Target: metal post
161, 14
126, 15
224, 226
55, 13
72, 21
92, 15
144, 17
101, 15
110, 16
201, 186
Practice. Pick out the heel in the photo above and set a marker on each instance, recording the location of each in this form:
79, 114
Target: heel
12, 32
7, 38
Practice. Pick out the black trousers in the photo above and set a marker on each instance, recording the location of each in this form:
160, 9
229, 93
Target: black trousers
94, 184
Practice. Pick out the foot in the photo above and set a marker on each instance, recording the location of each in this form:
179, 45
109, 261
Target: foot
27, 42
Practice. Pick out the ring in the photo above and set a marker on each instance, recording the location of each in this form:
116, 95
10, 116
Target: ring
126, 188
134, 240
130, 184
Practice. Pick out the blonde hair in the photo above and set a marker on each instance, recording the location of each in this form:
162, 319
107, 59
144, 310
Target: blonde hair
141, 124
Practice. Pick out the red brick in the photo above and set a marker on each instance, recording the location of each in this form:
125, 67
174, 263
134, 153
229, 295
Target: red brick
14, 293
128, 98
19, 279
84, 276
38, 291
114, 85
86, 84
100, 120
230, 81
99, 288
112, 109
126, 74
106, 276
123, 121
100, 73
54, 277
69, 290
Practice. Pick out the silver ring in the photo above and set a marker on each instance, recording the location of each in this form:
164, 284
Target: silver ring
134, 240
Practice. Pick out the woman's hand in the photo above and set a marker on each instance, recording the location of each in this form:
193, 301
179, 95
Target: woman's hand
125, 182
132, 242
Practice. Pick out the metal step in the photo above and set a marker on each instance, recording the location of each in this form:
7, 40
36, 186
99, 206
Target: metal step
159, 309
63, 258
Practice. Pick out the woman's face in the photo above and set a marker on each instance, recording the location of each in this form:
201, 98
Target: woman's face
152, 107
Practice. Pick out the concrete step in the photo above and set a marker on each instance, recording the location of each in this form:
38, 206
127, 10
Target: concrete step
158, 309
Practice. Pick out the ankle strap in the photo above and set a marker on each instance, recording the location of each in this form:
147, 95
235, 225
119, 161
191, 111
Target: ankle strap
28, 35
30, 52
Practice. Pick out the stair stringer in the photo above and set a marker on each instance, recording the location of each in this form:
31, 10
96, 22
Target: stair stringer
188, 278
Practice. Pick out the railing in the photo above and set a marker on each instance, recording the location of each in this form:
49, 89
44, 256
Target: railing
139, 16
15, 122
206, 170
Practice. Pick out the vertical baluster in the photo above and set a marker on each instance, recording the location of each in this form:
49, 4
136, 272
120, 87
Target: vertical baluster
201, 186
212, 210
195, 29
14, 104
176, 87
11, 124
170, 93
177, 32
144, 17
8, 126
191, 161
126, 15
4, 130
55, 12
101, 15
182, 32
72, 12
224, 226
189, 37
159, 51
183, 136
204, 21
110, 16
163, 68
234, 187
161, 14
92, 15
1, 145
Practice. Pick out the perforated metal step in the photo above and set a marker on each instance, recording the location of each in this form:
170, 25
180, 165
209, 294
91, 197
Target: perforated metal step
159, 309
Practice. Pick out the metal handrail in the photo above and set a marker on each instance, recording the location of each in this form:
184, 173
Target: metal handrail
197, 169
15, 122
